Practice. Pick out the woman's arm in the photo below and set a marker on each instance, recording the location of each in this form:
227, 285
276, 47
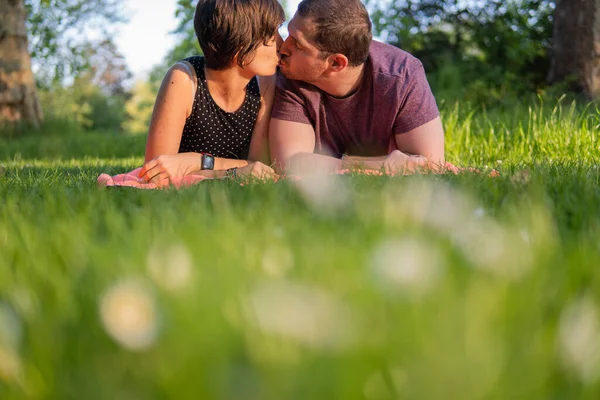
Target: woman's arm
176, 94
172, 107
259, 144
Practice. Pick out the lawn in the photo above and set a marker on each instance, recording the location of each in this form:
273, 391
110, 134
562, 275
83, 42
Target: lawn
356, 287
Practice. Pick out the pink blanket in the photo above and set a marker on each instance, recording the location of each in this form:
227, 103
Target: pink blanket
131, 179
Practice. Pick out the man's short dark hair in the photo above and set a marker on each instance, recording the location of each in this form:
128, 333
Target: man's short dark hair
225, 28
341, 26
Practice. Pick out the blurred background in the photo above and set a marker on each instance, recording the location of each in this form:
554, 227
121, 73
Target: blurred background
97, 65
481, 285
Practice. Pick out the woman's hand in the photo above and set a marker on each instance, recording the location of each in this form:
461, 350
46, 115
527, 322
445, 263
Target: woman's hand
170, 166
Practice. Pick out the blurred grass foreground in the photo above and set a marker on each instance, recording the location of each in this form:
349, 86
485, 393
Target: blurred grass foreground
354, 287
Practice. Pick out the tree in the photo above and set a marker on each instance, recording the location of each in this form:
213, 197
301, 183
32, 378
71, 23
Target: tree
186, 44
106, 67
18, 97
58, 32
472, 46
95, 99
576, 46
139, 108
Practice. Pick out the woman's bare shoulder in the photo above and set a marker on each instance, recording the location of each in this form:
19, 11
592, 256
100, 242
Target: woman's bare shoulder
181, 73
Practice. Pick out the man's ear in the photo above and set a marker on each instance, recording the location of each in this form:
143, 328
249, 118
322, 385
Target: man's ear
337, 62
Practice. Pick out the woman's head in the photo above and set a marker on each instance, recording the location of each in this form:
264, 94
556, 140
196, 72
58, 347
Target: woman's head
231, 31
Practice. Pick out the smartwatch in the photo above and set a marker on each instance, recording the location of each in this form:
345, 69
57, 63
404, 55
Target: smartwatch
208, 161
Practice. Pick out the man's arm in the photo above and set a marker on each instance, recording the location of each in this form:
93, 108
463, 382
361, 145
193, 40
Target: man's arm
259, 146
427, 140
292, 146
289, 143
424, 147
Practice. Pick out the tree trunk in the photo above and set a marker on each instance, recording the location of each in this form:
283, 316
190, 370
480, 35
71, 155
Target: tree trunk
576, 46
18, 95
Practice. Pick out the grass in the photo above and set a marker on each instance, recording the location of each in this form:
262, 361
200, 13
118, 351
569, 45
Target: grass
428, 287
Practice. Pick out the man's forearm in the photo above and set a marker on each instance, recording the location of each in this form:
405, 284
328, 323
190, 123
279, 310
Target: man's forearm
393, 163
307, 163
357, 162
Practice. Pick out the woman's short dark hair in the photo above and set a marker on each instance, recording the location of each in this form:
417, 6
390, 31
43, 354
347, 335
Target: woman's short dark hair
225, 28
340, 26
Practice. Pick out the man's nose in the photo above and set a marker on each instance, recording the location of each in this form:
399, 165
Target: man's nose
284, 47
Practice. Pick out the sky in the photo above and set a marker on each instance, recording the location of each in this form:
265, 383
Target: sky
145, 39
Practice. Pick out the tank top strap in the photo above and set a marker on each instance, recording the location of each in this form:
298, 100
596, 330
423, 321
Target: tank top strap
198, 63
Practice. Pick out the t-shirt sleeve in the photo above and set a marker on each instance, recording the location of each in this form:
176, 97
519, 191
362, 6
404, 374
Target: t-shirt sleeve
290, 104
418, 104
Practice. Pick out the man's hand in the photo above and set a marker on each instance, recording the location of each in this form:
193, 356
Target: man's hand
170, 167
398, 162
257, 170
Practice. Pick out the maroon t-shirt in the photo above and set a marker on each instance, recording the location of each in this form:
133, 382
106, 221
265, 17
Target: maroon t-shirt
393, 98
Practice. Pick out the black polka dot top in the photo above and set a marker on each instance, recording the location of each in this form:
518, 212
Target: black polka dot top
212, 130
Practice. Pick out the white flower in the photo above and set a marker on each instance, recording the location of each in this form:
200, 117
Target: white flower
10, 327
10, 365
302, 314
579, 339
479, 213
326, 193
407, 265
170, 268
10, 339
129, 315
277, 261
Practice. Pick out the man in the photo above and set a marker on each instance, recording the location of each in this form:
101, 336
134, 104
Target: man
346, 101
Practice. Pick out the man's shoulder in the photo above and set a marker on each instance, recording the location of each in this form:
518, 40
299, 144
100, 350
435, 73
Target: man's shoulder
391, 61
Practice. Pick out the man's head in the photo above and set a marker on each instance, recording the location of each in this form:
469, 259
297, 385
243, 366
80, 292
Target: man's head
326, 35
231, 31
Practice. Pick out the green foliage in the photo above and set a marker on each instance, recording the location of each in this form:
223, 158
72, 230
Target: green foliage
524, 132
107, 68
139, 108
84, 105
421, 287
96, 98
60, 103
473, 50
60, 31
186, 42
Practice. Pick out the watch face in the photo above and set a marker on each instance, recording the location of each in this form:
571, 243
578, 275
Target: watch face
208, 161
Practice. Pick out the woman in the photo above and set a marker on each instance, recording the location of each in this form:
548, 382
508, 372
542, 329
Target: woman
211, 114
